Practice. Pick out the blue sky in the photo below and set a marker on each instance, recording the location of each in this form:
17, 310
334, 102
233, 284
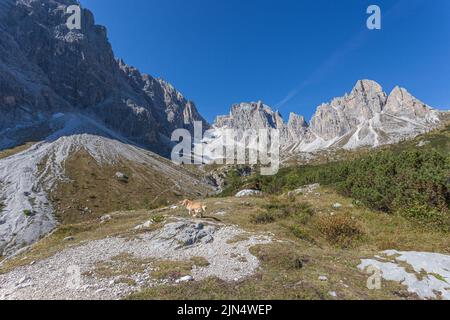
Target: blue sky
291, 54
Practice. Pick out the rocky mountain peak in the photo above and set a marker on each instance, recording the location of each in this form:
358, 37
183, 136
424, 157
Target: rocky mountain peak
401, 103
250, 116
45, 68
368, 87
297, 121
365, 117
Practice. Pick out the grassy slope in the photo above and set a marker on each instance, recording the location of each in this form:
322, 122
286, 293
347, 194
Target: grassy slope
96, 187
9, 152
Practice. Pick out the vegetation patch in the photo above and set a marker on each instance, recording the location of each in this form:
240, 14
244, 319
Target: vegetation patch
123, 266
341, 229
263, 218
158, 218
277, 210
28, 213
172, 270
10, 152
200, 262
427, 217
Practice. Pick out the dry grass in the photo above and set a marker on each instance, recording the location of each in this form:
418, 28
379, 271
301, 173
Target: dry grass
123, 266
94, 190
172, 270
9, 152
341, 229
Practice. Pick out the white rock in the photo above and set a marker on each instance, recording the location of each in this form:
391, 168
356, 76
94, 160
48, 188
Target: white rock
144, 225
106, 218
121, 176
333, 294
307, 189
323, 278
423, 143
23, 280
437, 266
248, 193
337, 205
185, 279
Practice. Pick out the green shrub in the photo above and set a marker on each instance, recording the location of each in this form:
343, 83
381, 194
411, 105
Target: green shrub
301, 233
388, 181
304, 212
263, 218
158, 218
427, 217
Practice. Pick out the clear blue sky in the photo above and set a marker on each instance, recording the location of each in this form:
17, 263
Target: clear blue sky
292, 54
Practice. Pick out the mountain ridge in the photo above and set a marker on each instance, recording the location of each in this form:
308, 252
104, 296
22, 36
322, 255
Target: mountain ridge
47, 68
367, 117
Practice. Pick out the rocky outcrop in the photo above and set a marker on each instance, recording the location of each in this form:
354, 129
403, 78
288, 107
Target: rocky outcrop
402, 104
250, 116
346, 113
427, 277
367, 117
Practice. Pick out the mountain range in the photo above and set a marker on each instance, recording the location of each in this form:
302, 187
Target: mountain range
367, 117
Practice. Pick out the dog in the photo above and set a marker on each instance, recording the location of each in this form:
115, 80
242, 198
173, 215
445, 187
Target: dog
195, 208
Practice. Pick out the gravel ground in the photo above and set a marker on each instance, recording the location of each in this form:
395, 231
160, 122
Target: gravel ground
56, 277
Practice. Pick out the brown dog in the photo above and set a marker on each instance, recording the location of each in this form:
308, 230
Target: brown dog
195, 208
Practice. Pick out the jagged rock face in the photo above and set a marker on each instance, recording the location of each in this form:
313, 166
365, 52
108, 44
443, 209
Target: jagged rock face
344, 114
367, 117
256, 115
47, 68
65, 90
180, 112
402, 103
253, 115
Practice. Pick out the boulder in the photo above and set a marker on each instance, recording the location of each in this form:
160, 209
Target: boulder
185, 279
121, 177
248, 193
